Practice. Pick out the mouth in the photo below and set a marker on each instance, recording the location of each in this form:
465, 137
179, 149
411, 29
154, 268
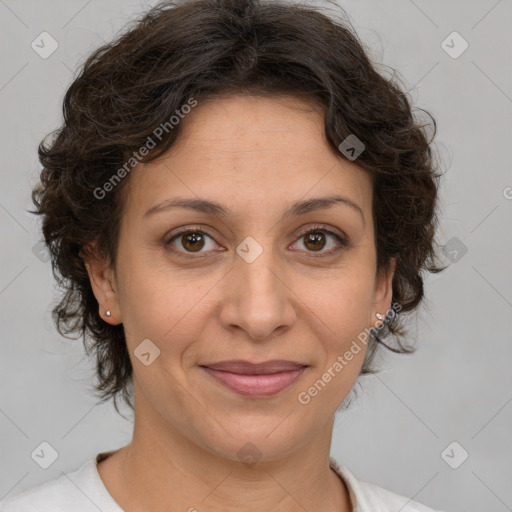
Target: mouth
255, 379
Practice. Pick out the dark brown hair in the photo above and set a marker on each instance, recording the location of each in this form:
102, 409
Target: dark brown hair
203, 49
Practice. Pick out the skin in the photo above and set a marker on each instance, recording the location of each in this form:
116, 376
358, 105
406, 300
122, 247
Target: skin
256, 156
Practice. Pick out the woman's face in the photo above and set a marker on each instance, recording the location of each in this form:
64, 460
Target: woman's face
251, 286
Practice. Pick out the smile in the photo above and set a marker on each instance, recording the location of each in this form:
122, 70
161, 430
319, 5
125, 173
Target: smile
256, 385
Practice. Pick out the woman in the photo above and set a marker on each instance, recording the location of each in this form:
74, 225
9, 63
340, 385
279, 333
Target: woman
239, 206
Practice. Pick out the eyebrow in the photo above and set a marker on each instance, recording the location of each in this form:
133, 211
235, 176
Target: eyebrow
213, 208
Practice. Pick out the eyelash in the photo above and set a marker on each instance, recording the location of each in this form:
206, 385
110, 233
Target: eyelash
342, 242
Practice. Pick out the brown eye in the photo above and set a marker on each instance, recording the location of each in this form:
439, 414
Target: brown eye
317, 239
314, 241
190, 242
193, 241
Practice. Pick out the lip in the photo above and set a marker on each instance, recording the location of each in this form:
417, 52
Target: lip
255, 379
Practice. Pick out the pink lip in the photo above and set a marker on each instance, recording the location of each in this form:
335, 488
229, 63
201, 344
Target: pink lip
256, 379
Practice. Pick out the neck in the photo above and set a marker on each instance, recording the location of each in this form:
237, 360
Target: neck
163, 470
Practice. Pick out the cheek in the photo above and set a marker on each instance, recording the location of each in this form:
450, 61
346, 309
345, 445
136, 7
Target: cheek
344, 309
168, 308
343, 303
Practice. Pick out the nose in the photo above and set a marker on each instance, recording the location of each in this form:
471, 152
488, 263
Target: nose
258, 299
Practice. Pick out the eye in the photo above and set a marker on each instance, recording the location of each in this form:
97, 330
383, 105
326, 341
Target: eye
190, 241
316, 239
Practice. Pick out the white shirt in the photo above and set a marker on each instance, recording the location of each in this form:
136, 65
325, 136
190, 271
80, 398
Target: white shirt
83, 491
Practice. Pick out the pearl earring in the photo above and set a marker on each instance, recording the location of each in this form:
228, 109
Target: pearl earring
108, 312
379, 316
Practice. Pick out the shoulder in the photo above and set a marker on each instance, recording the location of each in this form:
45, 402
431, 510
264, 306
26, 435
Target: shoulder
368, 497
383, 500
76, 491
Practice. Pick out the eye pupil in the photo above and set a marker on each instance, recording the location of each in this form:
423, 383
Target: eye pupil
193, 241
317, 239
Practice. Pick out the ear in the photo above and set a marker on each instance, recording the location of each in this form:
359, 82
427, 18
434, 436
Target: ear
383, 292
103, 284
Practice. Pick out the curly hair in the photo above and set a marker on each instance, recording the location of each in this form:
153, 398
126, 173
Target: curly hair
204, 49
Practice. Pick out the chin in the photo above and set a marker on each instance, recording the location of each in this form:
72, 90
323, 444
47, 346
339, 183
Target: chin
251, 437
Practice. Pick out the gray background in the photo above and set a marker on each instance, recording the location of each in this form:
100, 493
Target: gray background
457, 387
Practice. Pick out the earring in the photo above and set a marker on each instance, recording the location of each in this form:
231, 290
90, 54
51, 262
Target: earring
108, 312
379, 316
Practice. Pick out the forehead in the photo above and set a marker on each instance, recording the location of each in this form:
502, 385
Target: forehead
252, 151
241, 123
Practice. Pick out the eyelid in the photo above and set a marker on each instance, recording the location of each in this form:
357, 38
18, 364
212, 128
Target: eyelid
323, 227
